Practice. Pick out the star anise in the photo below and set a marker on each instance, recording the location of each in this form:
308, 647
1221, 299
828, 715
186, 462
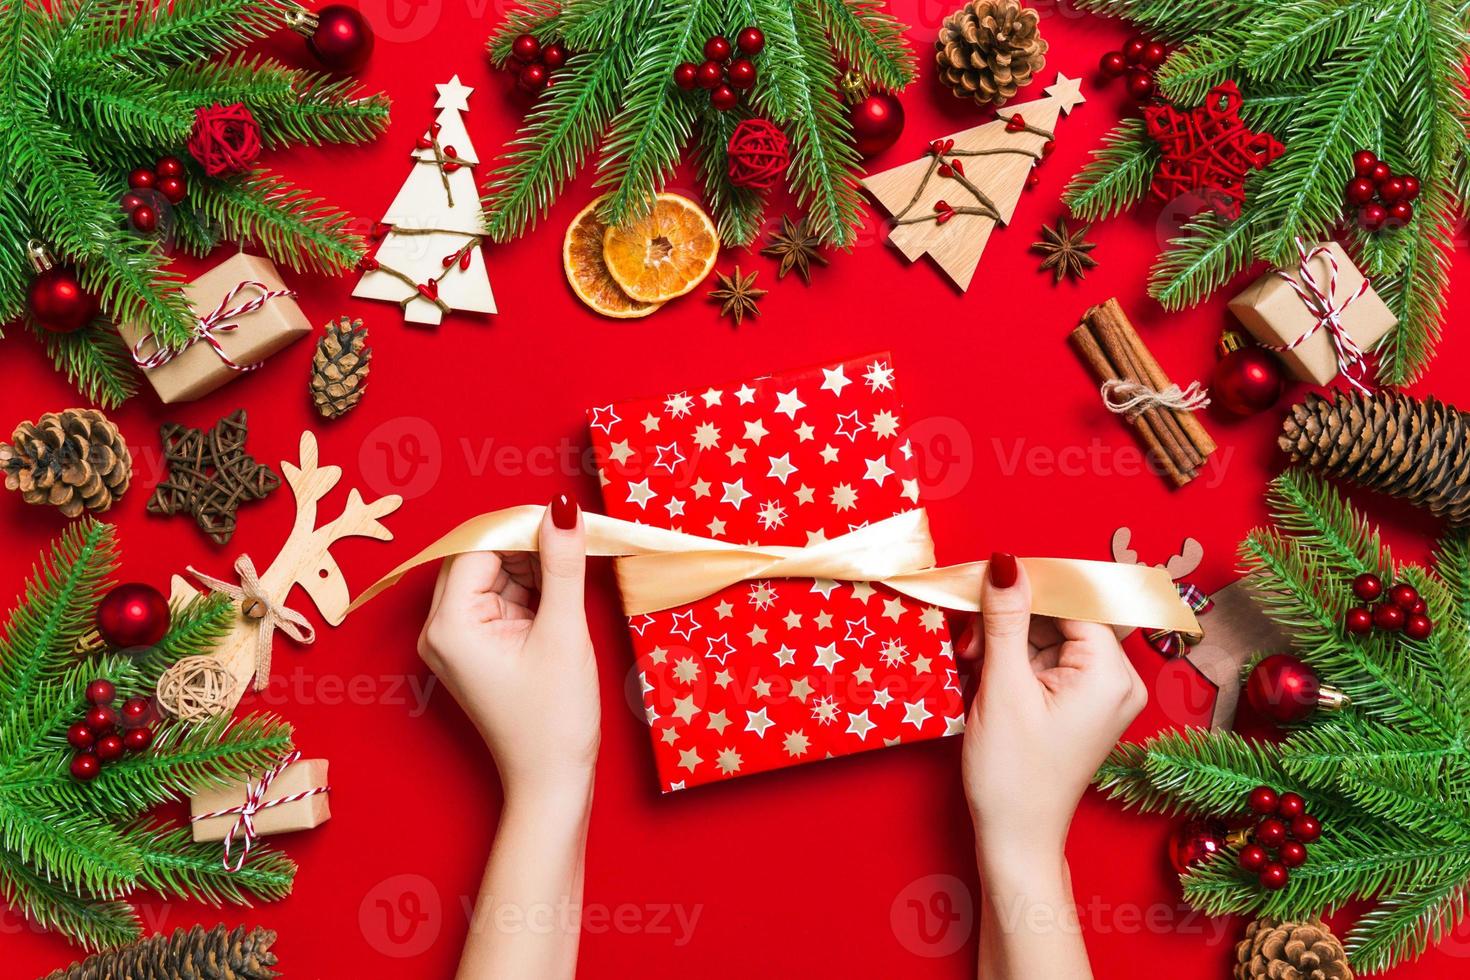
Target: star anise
1066, 251
737, 294
797, 248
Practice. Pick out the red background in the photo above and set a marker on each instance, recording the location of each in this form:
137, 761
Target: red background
817, 871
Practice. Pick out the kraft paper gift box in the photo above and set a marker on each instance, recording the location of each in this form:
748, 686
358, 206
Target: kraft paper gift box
298, 777
199, 369
1275, 315
764, 675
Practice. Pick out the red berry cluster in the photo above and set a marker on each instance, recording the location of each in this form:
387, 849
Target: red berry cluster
166, 180
1383, 198
534, 62
722, 74
1285, 828
96, 737
1137, 60
1402, 609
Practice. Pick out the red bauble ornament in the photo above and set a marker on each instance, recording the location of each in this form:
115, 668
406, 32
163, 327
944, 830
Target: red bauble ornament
133, 614
342, 39
1306, 828
876, 121
58, 302
525, 48
138, 739
1389, 617
109, 747
144, 219
685, 74
1359, 621
1372, 216
1283, 688
1270, 832
173, 189
757, 154
1246, 380
1293, 854
136, 712
1379, 173
1400, 214
533, 78
554, 55
709, 74
1262, 800
100, 719
1274, 876
1290, 806
1141, 86
1418, 627
741, 73
79, 736
1411, 188
225, 138
750, 41
1153, 55
1133, 50
1404, 596
169, 167
718, 48
1113, 64
141, 179
1363, 163
1195, 842
84, 766
101, 692
1253, 857
724, 98
1360, 190
1367, 586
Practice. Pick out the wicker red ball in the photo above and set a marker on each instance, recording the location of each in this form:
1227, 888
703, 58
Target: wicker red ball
757, 155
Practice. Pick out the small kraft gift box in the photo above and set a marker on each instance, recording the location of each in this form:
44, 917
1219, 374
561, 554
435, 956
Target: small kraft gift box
293, 796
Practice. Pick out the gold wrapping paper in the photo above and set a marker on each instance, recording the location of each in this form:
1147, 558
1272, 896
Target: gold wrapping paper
660, 569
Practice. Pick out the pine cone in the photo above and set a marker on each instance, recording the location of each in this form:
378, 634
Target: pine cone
75, 460
988, 49
1290, 951
1417, 449
187, 954
339, 369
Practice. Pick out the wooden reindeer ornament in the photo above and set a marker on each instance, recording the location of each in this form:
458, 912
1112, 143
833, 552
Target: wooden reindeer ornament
210, 685
1235, 627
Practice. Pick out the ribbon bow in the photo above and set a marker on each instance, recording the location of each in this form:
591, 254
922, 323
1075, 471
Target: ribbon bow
256, 604
1171, 643
255, 801
1327, 312
208, 328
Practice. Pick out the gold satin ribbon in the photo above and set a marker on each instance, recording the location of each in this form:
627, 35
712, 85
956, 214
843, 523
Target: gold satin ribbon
659, 569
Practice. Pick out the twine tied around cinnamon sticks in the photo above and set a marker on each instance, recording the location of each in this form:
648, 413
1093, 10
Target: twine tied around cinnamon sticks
1135, 386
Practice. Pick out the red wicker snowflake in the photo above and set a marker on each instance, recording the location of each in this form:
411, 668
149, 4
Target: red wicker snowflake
1208, 150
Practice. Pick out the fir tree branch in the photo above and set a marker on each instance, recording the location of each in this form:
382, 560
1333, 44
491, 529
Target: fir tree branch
539, 18
1118, 175
1176, 20
174, 865
1292, 38
1189, 73
95, 360
737, 210
287, 223
870, 40
156, 35
80, 851
1416, 292
83, 919
1208, 255
1407, 923
132, 111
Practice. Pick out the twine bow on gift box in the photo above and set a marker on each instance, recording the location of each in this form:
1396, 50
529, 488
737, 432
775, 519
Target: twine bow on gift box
208, 328
1327, 312
255, 801
1172, 643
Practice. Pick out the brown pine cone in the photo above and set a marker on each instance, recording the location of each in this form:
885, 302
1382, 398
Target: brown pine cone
192, 954
1416, 449
74, 460
1290, 951
339, 369
988, 49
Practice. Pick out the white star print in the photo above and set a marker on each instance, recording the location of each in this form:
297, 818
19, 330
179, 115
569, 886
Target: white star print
824, 586
712, 397
684, 708
745, 394
736, 455
755, 431
756, 721
785, 656
719, 648
620, 451
893, 608
724, 610
772, 515
910, 490
805, 494
643, 624
605, 418
716, 527
834, 380
881, 697
849, 425
932, 619
686, 632
805, 432
801, 689
678, 405
879, 376
825, 709
688, 759
668, 456
762, 596
858, 631
717, 721
788, 404
828, 657
914, 713
829, 453
796, 743
843, 497
858, 724
706, 435
650, 422
700, 488
728, 761
781, 467
675, 507
735, 493
640, 493
893, 653
955, 725
878, 470
862, 590
884, 425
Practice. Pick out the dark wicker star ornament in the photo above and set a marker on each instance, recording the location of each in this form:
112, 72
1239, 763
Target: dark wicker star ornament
797, 248
1066, 251
737, 295
210, 475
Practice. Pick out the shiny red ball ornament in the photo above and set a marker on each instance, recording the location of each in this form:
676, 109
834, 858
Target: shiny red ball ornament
1283, 688
533, 78
741, 74
1290, 806
84, 766
133, 614
1246, 380
1400, 213
79, 736
173, 189
1392, 189
144, 219
1418, 627
109, 747
1133, 50
554, 55
136, 712
342, 40
1367, 586
1380, 173
138, 739
1253, 857
724, 98
1195, 842
709, 74
1372, 216
1363, 163
1389, 617
1360, 190
169, 167
1270, 832
525, 48
1262, 800
876, 122
750, 41
58, 302
1153, 55
1404, 596
1141, 86
1306, 828
100, 719
1293, 854
718, 48
1274, 876
1411, 188
1113, 64
1359, 621
101, 692
684, 75
141, 179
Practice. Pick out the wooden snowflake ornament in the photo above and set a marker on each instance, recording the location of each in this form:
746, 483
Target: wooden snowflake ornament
947, 203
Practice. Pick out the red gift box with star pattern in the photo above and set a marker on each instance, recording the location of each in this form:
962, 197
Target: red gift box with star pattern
768, 674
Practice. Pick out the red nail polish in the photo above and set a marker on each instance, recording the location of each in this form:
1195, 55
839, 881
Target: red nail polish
564, 512
1003, 571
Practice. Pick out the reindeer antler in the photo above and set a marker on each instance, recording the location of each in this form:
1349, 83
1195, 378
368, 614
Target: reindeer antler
1191, 554
1122, 554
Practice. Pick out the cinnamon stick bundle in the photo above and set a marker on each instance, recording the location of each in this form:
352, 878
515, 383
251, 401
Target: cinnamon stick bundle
1114, 351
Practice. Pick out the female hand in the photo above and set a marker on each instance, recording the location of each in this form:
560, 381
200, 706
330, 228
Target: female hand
1055, 696
527, 679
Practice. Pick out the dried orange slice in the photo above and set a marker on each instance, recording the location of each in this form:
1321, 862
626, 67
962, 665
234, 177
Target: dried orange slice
666, 253
581, 257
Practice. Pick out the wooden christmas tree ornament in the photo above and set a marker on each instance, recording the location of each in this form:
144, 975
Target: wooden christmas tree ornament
208, 686
946, 204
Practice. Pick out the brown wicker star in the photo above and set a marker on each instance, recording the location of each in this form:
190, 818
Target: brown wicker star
210, 475
1066, 251
737, 295
797, 248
